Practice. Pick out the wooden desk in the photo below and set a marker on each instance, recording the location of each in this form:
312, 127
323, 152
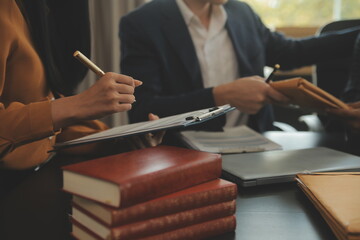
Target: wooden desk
36, 208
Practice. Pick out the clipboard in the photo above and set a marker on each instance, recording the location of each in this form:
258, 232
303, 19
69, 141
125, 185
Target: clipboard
176, 121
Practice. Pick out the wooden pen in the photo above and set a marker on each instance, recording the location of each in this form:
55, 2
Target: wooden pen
88, 63
92, 66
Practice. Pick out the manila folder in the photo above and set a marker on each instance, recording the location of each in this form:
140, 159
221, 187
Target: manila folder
337, 197
306, 95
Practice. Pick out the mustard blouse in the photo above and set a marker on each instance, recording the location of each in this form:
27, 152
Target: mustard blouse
26, 127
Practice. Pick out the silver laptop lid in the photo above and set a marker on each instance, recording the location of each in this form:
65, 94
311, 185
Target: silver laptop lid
251, 169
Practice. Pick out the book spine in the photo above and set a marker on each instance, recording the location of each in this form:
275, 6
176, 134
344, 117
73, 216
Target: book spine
151, 186
174, 221
199, 231
161, 207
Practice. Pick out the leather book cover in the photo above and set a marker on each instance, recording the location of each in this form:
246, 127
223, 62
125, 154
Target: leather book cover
194, 232
306, 95
129, 178
158, 225
199, 231
337, 197
200, 195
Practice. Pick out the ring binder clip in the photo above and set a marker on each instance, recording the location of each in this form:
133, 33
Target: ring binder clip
214, 112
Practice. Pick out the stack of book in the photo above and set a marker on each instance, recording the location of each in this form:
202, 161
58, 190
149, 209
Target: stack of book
154, 193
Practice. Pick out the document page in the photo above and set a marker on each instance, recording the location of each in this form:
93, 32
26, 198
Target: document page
231, 140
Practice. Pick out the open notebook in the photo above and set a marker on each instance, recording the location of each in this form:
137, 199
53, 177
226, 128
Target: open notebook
252, 169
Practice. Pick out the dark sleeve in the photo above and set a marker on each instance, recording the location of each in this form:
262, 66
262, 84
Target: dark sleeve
291, 53
296, 52
142, 59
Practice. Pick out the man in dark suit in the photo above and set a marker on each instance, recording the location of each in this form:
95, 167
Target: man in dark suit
194, 54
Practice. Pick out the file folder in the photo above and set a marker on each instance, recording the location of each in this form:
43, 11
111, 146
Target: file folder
337, 198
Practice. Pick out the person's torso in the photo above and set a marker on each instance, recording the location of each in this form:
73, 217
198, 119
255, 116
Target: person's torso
24, 75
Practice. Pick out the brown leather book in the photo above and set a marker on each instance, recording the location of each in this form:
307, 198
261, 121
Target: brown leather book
337, 197
304, 94
199, 231
200, 195
155, 226
133, 177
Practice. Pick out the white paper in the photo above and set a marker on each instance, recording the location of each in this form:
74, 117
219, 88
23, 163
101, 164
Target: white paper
231, 140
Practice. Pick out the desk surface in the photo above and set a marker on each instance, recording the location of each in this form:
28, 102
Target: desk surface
36, 209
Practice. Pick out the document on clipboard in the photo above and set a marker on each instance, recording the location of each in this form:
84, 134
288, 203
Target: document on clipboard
171, 122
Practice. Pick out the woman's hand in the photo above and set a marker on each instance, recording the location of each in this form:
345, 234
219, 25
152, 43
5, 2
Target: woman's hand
147, 139
112, 93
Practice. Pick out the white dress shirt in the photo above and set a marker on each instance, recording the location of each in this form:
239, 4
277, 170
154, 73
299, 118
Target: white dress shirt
215, 52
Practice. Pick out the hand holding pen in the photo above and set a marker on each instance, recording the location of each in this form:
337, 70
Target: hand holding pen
111, 93
92, 66
136, 142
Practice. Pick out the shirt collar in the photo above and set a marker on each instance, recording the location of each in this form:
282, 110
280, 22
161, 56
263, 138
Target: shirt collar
218, 13
187, 14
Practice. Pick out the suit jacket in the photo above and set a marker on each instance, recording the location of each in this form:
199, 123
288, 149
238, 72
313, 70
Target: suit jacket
156, 47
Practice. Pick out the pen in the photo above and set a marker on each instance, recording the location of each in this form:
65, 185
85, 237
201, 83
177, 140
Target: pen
87, 62
270, 77
92, 66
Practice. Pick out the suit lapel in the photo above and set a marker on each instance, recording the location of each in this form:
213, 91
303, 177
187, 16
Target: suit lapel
238, 37
176, 31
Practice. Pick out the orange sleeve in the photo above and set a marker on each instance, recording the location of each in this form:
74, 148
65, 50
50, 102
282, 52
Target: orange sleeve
26, 125
23, 124
82, 129
20, 123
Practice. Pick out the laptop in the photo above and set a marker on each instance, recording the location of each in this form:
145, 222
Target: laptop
253, 169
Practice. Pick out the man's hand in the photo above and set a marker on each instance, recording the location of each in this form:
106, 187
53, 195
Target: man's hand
147, 139
248, 94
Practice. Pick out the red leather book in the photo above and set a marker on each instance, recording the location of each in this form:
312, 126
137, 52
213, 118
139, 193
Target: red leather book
128, 178
155, 226
200, 195
199, 231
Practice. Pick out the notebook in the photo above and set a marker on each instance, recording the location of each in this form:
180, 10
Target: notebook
252, 169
